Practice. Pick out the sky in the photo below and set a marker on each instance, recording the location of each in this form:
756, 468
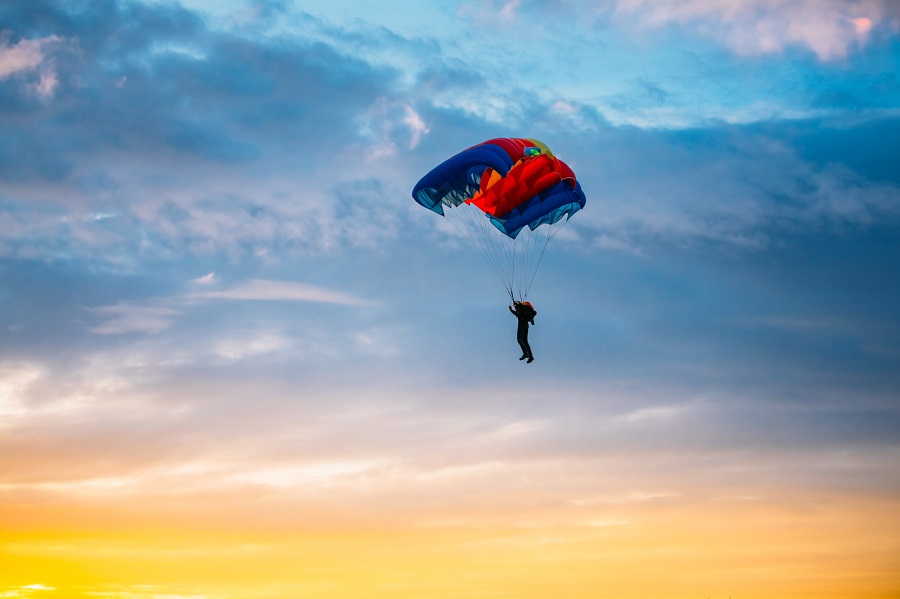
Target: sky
238, 360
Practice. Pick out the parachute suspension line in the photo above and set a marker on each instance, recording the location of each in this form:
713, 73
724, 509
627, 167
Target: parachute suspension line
529, 257
469, 234
552, 230
525, 242
472, 225
497, 244
514, 262
499, 248
491, 242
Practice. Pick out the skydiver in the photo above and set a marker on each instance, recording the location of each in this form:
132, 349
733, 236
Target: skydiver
525, 314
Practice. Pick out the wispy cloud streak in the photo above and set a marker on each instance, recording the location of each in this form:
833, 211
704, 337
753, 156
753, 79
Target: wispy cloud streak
266, 290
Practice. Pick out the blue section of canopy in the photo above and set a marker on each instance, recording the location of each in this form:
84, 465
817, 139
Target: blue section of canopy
457, 179
546, 208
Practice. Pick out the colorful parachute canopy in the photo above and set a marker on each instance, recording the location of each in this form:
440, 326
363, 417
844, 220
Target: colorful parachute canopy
494, 191
515, 182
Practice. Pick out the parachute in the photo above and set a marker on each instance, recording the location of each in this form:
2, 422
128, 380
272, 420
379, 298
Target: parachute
508, 197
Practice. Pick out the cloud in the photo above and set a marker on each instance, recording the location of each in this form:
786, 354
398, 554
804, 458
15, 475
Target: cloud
282, 291
416, 125
289, 157
258, 345
830, 28
370, 451
207, 388
15, 380
30, 56
492, 13
158, 315
656, 413
742, 186
207, 279
129, 318
24, 592
26, 55
253, 173
390, 124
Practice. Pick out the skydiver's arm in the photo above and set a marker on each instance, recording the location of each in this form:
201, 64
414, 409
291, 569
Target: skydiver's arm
511, 310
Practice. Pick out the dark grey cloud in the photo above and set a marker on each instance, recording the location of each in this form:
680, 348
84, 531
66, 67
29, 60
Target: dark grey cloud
153, 79
174, 85
154, 104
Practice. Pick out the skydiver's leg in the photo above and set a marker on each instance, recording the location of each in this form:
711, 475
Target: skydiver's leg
526, 347
522, 338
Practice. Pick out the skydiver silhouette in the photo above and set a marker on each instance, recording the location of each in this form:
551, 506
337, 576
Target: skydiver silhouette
525, 314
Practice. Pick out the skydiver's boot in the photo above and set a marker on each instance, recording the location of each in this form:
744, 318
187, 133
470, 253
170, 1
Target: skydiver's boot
523, 356
530, 360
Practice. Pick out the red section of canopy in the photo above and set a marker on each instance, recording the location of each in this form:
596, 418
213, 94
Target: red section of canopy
528, 177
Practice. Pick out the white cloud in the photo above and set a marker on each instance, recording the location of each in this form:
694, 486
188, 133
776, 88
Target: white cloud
317, 473
130, 318
508, 12
207, 279
416, 125
830, 28
26, 55
15, 379
239, 349
389, 123
285, 291
29, 56
612, 243
26, 591
491, 13
34, 393
160, 314
607, 522
47, 84
655, 413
